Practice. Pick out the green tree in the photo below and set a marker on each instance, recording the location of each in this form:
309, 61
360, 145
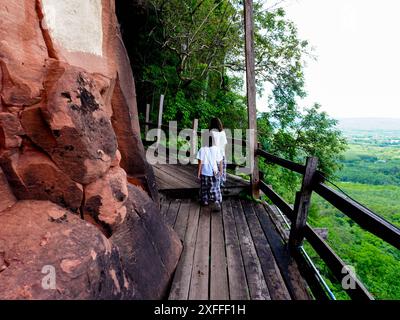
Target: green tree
294, 135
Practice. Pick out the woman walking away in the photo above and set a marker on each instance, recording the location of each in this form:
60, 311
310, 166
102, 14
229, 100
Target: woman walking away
219, 137
210, 158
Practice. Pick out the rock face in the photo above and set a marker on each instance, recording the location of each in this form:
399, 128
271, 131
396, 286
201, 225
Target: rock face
69, 144
135, 238
84, 264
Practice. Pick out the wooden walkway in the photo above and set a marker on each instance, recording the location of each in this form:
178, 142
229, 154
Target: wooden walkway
181, 180
236, 254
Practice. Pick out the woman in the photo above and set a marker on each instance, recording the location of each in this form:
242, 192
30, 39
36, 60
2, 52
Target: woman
220, 141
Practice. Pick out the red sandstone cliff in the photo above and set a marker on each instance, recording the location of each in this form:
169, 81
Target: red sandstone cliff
69, 141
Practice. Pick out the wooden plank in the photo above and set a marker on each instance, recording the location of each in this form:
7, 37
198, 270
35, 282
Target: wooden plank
276, 284
164, 206
306, 270
200, 273
219, 289
175, 172
255, 277
170, 216
168, 180
287, 265
181, 283
182, 219
238, 289
279, 222
302, 205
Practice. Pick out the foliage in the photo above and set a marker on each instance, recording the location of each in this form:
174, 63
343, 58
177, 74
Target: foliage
371, 164
376, 262
294, 136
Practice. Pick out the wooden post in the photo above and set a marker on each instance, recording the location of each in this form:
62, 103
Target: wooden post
193, 140
251, 95
160, 111
159, 121
146, 128
302, 205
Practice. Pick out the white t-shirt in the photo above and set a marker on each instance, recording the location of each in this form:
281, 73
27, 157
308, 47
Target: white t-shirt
209, 157
220, 140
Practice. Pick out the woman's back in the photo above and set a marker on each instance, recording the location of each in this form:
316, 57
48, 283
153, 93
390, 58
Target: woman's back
220, 141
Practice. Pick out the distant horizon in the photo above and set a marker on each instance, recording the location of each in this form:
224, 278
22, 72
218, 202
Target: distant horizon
361, 117
355, 74
368, 123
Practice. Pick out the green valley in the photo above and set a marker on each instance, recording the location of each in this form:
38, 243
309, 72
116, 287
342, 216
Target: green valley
371, 176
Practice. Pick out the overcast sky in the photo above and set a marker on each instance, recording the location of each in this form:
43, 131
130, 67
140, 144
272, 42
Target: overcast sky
357, 44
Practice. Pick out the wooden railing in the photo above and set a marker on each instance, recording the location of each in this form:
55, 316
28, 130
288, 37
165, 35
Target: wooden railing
313, 181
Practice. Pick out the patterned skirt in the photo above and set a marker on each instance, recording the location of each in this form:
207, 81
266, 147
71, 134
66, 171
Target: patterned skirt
222, 179
210, 189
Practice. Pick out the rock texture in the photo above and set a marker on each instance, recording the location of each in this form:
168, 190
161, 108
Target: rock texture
86, 264
135, 238
69, 144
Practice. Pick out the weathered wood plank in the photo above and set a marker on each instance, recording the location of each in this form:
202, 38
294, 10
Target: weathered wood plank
168, 180
170, 216
303, 202
238, 288
200, 273
255, 277
164, 203
182, 219
219, 289
184, 176
181, 283
179, 175
287, 265
276, 284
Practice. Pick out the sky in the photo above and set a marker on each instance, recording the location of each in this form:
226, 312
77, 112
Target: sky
357, 45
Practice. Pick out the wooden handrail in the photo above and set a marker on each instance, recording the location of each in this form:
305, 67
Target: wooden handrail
282, 162
277, 200
364, 217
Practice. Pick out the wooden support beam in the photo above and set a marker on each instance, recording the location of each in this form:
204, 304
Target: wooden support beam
146, 128
159, 120
160, 111
302, 205
251, 96
193, 140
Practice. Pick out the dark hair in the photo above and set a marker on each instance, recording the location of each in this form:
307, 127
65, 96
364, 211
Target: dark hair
207, 140
216, 124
